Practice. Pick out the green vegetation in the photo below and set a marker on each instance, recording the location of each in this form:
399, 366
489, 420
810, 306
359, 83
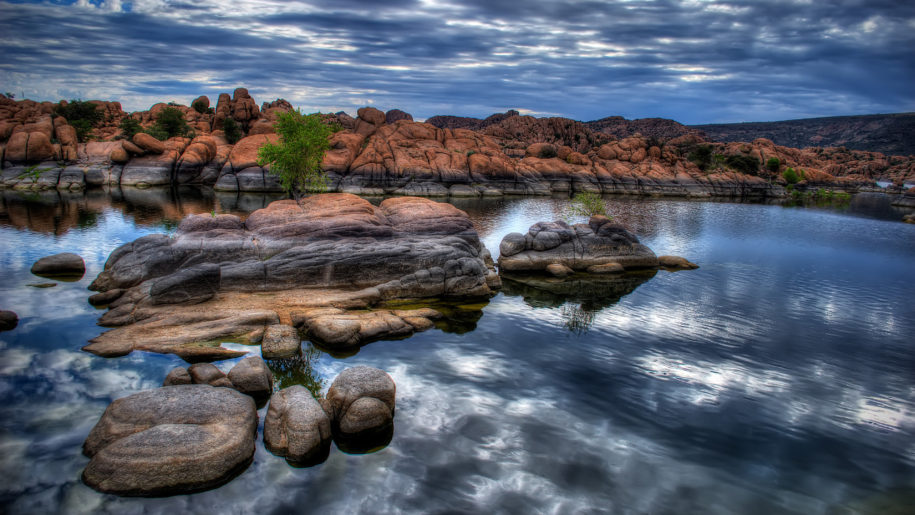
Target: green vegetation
701, 156
547, 152
232, 130
773, 164
33, 172
748, 165
129, 127
471, 152
821, 195
297, 158
791, 177
83, 116
200, 106
587, 204
170, 122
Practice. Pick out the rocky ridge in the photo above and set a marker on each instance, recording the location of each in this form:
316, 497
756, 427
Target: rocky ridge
388, 153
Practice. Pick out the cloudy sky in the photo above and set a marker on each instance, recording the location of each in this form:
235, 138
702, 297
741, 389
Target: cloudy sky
694, 61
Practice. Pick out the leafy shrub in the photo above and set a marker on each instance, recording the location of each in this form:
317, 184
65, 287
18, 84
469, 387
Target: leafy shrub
587, 204
298, 156
791, 177
701, 156
200, 106
171, 120
129, 127
232, 130
157, 132
547, 152
744, 164
471, 152
773, 164
83, 116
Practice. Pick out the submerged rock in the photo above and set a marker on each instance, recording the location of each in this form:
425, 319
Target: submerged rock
8, 320
171, 440
297, 427
578, 247
64, 264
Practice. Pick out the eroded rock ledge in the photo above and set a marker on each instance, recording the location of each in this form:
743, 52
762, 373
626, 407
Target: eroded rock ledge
223, 278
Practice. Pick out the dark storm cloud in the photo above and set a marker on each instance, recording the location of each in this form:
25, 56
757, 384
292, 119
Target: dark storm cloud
694, 61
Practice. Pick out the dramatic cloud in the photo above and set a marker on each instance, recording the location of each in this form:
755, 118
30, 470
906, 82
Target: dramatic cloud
695, 61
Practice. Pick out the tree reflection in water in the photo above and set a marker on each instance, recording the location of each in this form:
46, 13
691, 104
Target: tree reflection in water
298, 370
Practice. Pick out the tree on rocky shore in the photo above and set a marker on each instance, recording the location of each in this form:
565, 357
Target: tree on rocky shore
298, 156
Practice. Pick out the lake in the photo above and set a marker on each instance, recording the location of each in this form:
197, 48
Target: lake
779, 377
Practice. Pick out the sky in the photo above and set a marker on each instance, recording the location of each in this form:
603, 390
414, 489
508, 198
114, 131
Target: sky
694, 61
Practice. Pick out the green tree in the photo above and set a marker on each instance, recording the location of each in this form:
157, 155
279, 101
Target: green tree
129, 127
701, 156
748, 165
200, 106
232, 130
773, 164
170, 122
298, 156
81, 115
791, 177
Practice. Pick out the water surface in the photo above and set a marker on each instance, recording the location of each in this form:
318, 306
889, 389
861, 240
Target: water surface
777, 378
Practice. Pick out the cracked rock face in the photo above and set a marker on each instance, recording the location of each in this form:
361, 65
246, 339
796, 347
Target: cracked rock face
576, 247
296, 426
171, 440
323, 247
362, 400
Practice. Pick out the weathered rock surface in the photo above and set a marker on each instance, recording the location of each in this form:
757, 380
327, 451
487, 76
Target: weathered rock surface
176, 376
280, 341
251, 376
676, 262
332, 249
362, 399
8, 320
171, 440
206, 373
578, 247
907, 199
339, 329
296, 427
63, 264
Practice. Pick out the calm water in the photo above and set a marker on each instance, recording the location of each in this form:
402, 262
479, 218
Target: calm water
777, 378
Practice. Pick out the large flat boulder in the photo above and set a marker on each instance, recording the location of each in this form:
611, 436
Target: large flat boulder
171, 440
325, 250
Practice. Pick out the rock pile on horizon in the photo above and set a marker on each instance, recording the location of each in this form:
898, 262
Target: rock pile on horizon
388, 153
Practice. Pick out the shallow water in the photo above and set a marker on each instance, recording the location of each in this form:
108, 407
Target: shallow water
777, 378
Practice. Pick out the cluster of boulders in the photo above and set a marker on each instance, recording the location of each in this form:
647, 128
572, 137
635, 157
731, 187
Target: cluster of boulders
199, 430
221, 277
388, 153
597, 247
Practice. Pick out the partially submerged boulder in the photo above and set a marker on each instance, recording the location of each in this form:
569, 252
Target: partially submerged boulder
63, 264
245, 276
362, 400
280, 341
676, 262
339, 329
171, 440
8, 320
250, 376
578, 247
296, 427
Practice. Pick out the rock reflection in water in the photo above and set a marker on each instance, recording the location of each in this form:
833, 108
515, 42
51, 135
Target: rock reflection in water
58, 212
580, 297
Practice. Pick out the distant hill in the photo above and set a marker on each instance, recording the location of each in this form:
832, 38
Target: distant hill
891, 134
659, 128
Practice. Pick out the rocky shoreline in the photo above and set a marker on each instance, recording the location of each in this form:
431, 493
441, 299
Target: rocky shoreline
381, 153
